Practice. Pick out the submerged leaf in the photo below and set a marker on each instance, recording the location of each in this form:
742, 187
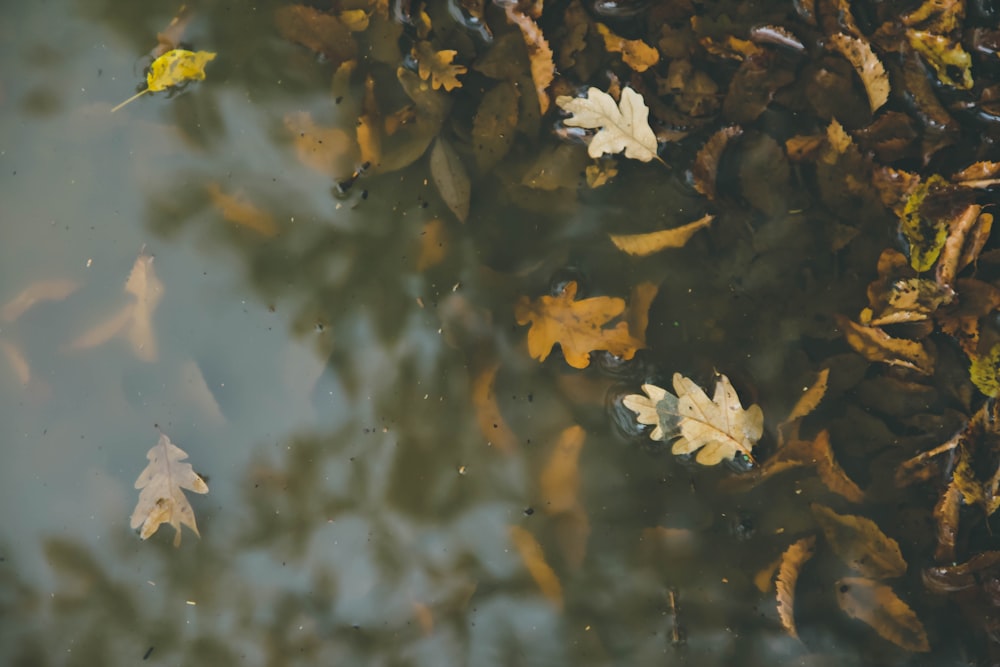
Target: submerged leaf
860, 543
241, 212
534, 560
437, 66
162, 499
877, 605
543, 69
636, 53
578, 326
621, 127
44, 290
792, 560
646, 244
706, 163
492, 424
451, 179
875, 344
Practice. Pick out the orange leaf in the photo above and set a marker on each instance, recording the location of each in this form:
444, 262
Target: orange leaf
636, 53
534, 560
792, 560
543, 69
866, 64
646, 244
560, 480
242, 212
492, 424
578, 326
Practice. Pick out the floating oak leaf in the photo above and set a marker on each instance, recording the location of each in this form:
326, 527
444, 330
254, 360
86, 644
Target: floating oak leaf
866, 64
860, 543
437, 66
792, 560
636, 53
543, 69
877, 605
706, 162
172, 69
162, 499
578, 326
641, 245
621, 127
655, 407
716, 429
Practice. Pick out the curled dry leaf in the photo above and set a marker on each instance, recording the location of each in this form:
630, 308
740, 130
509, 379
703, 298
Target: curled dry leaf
162, 484
636, 53
621, 127
946, 517
877, 605
859, 53
641, 245
860, 543
876, 345
792, 560
241, 212
578, 326
954, 244
534, 560
543, 69
706, 163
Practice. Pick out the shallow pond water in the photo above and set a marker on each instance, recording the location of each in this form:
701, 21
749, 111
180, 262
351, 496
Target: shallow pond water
323, 378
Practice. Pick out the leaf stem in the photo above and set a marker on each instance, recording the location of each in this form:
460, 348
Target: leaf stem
131, 99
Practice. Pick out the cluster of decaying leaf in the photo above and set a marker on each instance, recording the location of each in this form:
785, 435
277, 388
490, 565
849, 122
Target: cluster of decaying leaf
861, 545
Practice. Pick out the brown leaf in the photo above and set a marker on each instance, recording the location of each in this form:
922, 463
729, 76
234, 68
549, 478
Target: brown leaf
162, 499
238, 210
534, 560
44, 290
543, 69
560, 479
946, 517
830, 472
954, 245
792, 560
639, 303
494, 124
433, 245
641, 245
876, 345
437, 66
877, 605
860, 543
636, 53
763, 578
866, 64
318, 31
578, 326
491, 422
706, 163
810, 397
601, 173
328, 150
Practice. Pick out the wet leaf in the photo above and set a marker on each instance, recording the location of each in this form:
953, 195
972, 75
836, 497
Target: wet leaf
706, 163
161, 498
318, 31
792, 560
640, 300
866, 64
560, 479
171, 69
949, 60
17, 361
543, 69
43, 290
641, 245
241, 212
955, 245
494, 125
451, 179
134, 320
578, 326
860, 543
925, 235
622, 127
876, 345
716, 429
636, 53
437, 66
946, 517
984, 370
433, 245
328, 150
492, 424
877, 605
655, 407
534, 560
601, 173
810, 398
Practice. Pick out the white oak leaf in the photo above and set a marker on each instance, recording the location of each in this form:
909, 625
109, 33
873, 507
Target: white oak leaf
162, 499
719, 428
621, 127
656, 407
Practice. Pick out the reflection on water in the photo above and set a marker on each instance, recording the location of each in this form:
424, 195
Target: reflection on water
323, 378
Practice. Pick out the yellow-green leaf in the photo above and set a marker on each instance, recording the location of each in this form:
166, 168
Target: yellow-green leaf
945, 55
176, 67
985, 371
926, 237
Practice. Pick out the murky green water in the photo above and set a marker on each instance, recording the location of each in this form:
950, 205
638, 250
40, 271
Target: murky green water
321, 382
